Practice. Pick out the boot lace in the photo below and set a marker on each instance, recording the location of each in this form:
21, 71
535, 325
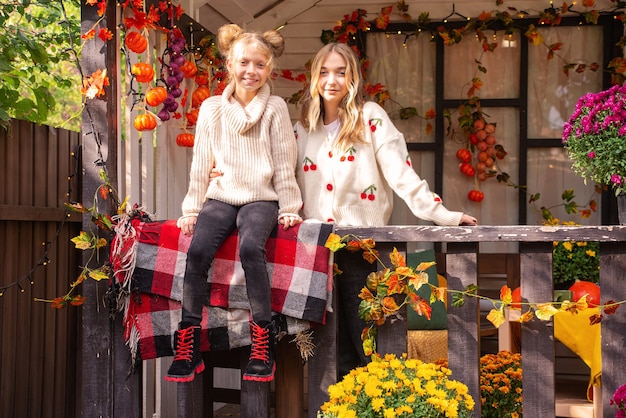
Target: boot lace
260, 343
184, 345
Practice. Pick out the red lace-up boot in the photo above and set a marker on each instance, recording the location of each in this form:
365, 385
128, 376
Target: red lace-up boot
261, 365
187, 360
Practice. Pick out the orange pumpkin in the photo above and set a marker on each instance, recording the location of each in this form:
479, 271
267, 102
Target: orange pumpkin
135, 42
155, 96
143, 72
189, 69
185, 139
199, 95
145, 122
192, 117
581, 288
201, 79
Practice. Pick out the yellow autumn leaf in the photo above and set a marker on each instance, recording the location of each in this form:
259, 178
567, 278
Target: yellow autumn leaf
82, 241
425, 265
545, 311
333, 243
98, 275
418, 280
496, 317
101, 242
526, 317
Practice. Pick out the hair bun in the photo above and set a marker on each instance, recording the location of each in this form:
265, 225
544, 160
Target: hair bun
226, 36
276, 41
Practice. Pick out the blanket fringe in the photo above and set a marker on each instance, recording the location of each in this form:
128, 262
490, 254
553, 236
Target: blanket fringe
304, 342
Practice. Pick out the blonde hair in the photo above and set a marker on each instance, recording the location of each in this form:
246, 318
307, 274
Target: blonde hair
233, 41
350, 109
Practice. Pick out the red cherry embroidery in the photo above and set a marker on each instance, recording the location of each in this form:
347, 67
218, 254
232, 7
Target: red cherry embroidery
363, 195
329, 187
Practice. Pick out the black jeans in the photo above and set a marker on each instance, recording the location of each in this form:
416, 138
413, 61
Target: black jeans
255, 222
349, 325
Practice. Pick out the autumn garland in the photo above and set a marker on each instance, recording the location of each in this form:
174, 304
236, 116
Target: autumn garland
379, 296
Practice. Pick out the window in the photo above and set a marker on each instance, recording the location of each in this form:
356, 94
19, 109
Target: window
525, 94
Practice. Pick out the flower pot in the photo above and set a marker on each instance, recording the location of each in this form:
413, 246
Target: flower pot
621, 208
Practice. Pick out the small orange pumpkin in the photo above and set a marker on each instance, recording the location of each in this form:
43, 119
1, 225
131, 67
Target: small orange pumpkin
145, 122
135, 42
143, 72
201, 78
192, 116
189, 69
185, 139
155, 96
199, 95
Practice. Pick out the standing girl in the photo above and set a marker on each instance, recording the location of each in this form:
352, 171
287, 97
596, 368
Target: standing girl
246, 133
351, 159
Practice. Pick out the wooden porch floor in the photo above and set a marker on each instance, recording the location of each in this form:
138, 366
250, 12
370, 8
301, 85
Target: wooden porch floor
232, 411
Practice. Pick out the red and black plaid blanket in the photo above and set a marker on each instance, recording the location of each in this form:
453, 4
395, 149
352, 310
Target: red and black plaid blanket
148, 260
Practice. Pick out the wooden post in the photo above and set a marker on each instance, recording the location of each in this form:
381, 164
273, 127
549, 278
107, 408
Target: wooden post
538, 350
289, 387
464, 321
613, 331
323, 364
106, 390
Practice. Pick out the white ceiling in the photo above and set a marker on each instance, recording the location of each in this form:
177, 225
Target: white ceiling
214, 13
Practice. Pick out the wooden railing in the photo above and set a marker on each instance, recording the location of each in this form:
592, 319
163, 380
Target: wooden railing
538, 350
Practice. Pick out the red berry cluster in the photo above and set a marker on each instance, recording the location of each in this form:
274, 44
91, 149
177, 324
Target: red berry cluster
478, 158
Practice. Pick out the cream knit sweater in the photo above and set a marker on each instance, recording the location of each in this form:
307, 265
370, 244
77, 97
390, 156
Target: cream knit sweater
356, 186
255, 149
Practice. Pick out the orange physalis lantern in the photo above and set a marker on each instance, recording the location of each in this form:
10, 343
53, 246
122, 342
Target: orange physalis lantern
135, 42
145, 122
192, 117
143, 72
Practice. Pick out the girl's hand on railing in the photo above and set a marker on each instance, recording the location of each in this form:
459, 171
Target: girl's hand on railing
468, 220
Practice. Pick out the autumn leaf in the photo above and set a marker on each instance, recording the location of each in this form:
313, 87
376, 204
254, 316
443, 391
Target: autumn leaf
334, 243
526, 317
496, 317
98, 275
93, 86
545, 311
397, 259
506, 295
389, 305
595, 319
105, 34
365, 293
420, 305
77, 300
370, 256
418, 280
533, 35
438, 293
82, 241
58, 303
77, 207
610, 307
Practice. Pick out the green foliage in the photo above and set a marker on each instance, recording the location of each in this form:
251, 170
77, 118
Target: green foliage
573, 261
37, 63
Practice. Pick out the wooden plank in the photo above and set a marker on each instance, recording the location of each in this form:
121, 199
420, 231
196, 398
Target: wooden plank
612, 268
37, 214
464, 322
537, 336
505, 233
322, 366
289, 380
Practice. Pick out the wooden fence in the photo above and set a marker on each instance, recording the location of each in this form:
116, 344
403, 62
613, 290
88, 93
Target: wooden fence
538, 343
38, 344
